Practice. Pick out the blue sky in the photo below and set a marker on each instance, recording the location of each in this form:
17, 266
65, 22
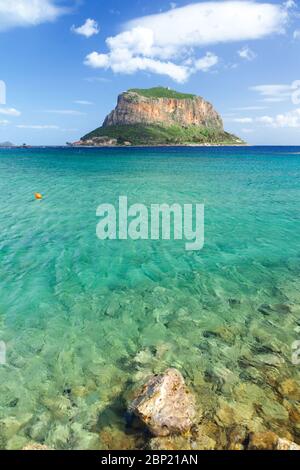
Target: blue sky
65, 62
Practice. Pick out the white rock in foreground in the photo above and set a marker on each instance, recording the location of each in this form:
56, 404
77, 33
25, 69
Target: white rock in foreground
165, 405
284, 444
270, 441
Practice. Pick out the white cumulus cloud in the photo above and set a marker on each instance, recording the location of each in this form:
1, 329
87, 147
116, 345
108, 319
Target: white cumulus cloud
289, 119
265, 120
166, 43
200, 24
246, 53
122, 62
15, 13
134, 50
131, 51
290, 4
88, 29
207, 62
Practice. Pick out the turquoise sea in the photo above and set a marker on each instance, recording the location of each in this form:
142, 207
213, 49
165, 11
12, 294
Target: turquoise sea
86, 321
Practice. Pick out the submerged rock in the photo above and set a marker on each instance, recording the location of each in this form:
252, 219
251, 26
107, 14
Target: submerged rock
290, 388
202, 441
270, 441
274, 412
11, 425
234, 302
165, 404
112, 438
263, 441
17, 442
40, 429
201, 437
294, 414
59, 436
143, 357
270, 359
224, 333
282, 308
237, 438
83, 439
169, 443
197, 442
267, 309
231, 414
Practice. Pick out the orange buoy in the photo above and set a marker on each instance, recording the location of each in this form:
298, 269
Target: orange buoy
38, 196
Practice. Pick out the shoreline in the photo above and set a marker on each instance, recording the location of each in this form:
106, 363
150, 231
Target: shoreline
148, 146
161, 146
20, 147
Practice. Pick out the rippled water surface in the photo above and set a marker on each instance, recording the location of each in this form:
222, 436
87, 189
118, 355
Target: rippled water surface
85, 321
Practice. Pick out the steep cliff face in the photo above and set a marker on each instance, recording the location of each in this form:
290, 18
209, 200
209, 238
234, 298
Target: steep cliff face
160, 116
134, 108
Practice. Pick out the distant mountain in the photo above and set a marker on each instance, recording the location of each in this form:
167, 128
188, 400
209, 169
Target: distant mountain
6, 144
160, 116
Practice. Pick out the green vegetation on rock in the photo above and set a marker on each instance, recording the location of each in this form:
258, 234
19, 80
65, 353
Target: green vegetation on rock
161, 92
139, 134
175, 119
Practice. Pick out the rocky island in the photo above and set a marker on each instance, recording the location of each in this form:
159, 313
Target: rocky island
160, 116
6, 145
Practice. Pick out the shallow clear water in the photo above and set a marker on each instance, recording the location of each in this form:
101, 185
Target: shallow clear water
85, 321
